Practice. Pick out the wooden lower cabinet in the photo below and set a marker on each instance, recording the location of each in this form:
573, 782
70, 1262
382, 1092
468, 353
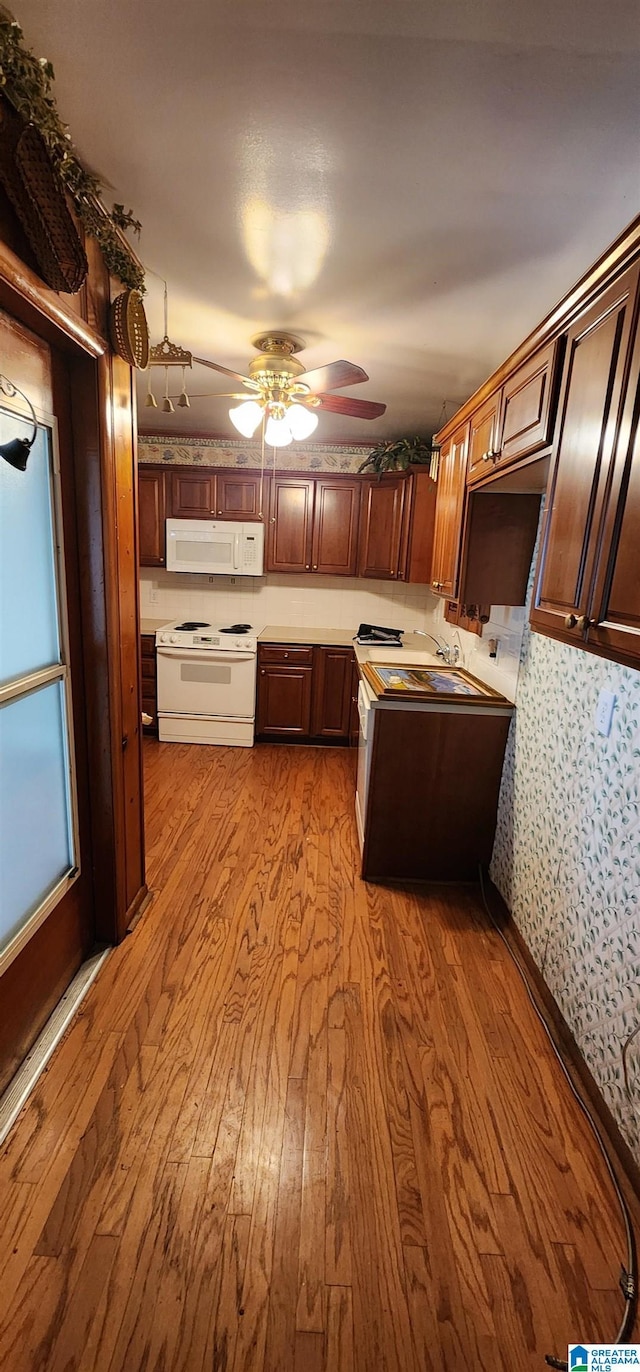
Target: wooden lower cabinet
433, 794
332, 691
305, 693
284, 700
149, 682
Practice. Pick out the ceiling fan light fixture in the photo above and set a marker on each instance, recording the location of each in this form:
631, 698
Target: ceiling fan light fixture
246, 417
278, 433
301, 421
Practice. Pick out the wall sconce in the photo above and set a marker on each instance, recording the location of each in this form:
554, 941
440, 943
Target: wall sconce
17, 450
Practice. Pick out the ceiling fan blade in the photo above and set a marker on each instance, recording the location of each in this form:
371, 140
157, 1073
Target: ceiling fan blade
349, 404
333, 377
216, 367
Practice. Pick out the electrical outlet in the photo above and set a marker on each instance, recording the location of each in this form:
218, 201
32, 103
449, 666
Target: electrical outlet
153, 594
604, 712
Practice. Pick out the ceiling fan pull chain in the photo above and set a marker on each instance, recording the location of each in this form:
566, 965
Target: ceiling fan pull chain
261, 511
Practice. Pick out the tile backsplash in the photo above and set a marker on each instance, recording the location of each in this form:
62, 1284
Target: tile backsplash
303, 602
506, 627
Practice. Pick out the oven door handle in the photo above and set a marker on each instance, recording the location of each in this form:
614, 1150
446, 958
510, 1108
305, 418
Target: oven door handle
204, 655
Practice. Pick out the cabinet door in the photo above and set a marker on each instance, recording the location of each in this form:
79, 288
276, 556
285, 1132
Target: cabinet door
382, 529
614, 611
332, 689
591, 407
335, 527
284, 700
151, 516
148, 678
238, 495
290, 525
193, 495
483, 438
528, 410
447, 536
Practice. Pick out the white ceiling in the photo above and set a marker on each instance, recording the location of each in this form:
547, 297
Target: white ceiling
410, 184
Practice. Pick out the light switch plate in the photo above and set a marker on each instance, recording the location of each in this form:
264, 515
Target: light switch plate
604, 712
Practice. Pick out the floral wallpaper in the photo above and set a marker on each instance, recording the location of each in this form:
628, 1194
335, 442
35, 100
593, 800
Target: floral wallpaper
222, 452
567, 853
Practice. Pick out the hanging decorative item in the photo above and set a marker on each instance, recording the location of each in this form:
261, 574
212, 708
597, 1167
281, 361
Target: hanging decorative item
16, 450
38, 198
129, 330
167, 354
27, 84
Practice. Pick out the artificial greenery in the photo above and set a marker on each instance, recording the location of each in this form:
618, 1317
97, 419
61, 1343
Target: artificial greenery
397, 455
27, 82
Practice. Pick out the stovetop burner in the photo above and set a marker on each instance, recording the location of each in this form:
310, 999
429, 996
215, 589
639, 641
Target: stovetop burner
236, 629
193, 624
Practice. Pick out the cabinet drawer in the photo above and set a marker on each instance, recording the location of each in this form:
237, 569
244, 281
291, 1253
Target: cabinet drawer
148, 645
298, 656
148, 665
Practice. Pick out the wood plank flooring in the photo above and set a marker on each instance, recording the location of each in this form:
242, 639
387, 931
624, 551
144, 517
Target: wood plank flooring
301, 1123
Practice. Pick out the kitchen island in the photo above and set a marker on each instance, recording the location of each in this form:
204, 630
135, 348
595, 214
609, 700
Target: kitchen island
428, 775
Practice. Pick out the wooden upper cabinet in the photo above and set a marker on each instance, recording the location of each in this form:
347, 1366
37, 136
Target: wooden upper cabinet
614, 609
383, 531
291, 524
151, 516
528, 407
193, 494
335, 527
483, 438
238, 495
591, 428
447, 537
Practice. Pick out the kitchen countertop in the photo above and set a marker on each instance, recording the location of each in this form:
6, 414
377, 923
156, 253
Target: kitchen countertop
149, 626
343, 638
330, 638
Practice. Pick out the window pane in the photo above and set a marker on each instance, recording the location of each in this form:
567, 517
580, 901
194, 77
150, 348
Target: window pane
36, 843
28, 600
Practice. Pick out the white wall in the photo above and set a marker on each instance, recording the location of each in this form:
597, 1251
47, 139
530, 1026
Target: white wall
301, 602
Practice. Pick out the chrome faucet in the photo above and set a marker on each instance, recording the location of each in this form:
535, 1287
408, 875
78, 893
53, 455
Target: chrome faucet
449, 653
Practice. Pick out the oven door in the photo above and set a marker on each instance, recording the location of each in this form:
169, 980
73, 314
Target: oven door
206, 683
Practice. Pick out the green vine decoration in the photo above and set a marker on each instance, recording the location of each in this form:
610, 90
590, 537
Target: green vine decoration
26, 81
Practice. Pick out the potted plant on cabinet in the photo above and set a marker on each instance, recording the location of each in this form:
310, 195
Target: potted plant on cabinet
398, 454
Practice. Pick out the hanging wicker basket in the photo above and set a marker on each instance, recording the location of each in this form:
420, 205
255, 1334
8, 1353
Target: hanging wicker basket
39, 200
129, 330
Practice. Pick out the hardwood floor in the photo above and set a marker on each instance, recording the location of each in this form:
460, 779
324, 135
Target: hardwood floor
300, 1123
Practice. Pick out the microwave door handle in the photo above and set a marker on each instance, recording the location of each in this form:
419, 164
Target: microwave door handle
236, 551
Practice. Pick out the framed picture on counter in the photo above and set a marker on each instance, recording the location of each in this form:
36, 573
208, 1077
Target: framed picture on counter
392, 681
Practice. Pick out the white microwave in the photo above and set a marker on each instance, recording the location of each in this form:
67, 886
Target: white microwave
214, 546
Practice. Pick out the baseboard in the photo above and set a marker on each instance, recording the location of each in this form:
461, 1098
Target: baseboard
627, 1169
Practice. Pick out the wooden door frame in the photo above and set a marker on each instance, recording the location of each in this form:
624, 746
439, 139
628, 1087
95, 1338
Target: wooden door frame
84, 354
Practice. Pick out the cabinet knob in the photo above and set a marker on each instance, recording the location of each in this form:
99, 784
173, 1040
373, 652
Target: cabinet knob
263, 671
570, 621
286, 654
315, 566
308, 567
583, 623
486, 457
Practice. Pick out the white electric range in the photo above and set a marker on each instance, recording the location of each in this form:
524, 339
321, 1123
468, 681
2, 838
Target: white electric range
206, 683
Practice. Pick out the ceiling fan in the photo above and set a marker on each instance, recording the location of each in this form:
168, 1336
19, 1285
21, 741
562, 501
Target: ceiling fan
286, 396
